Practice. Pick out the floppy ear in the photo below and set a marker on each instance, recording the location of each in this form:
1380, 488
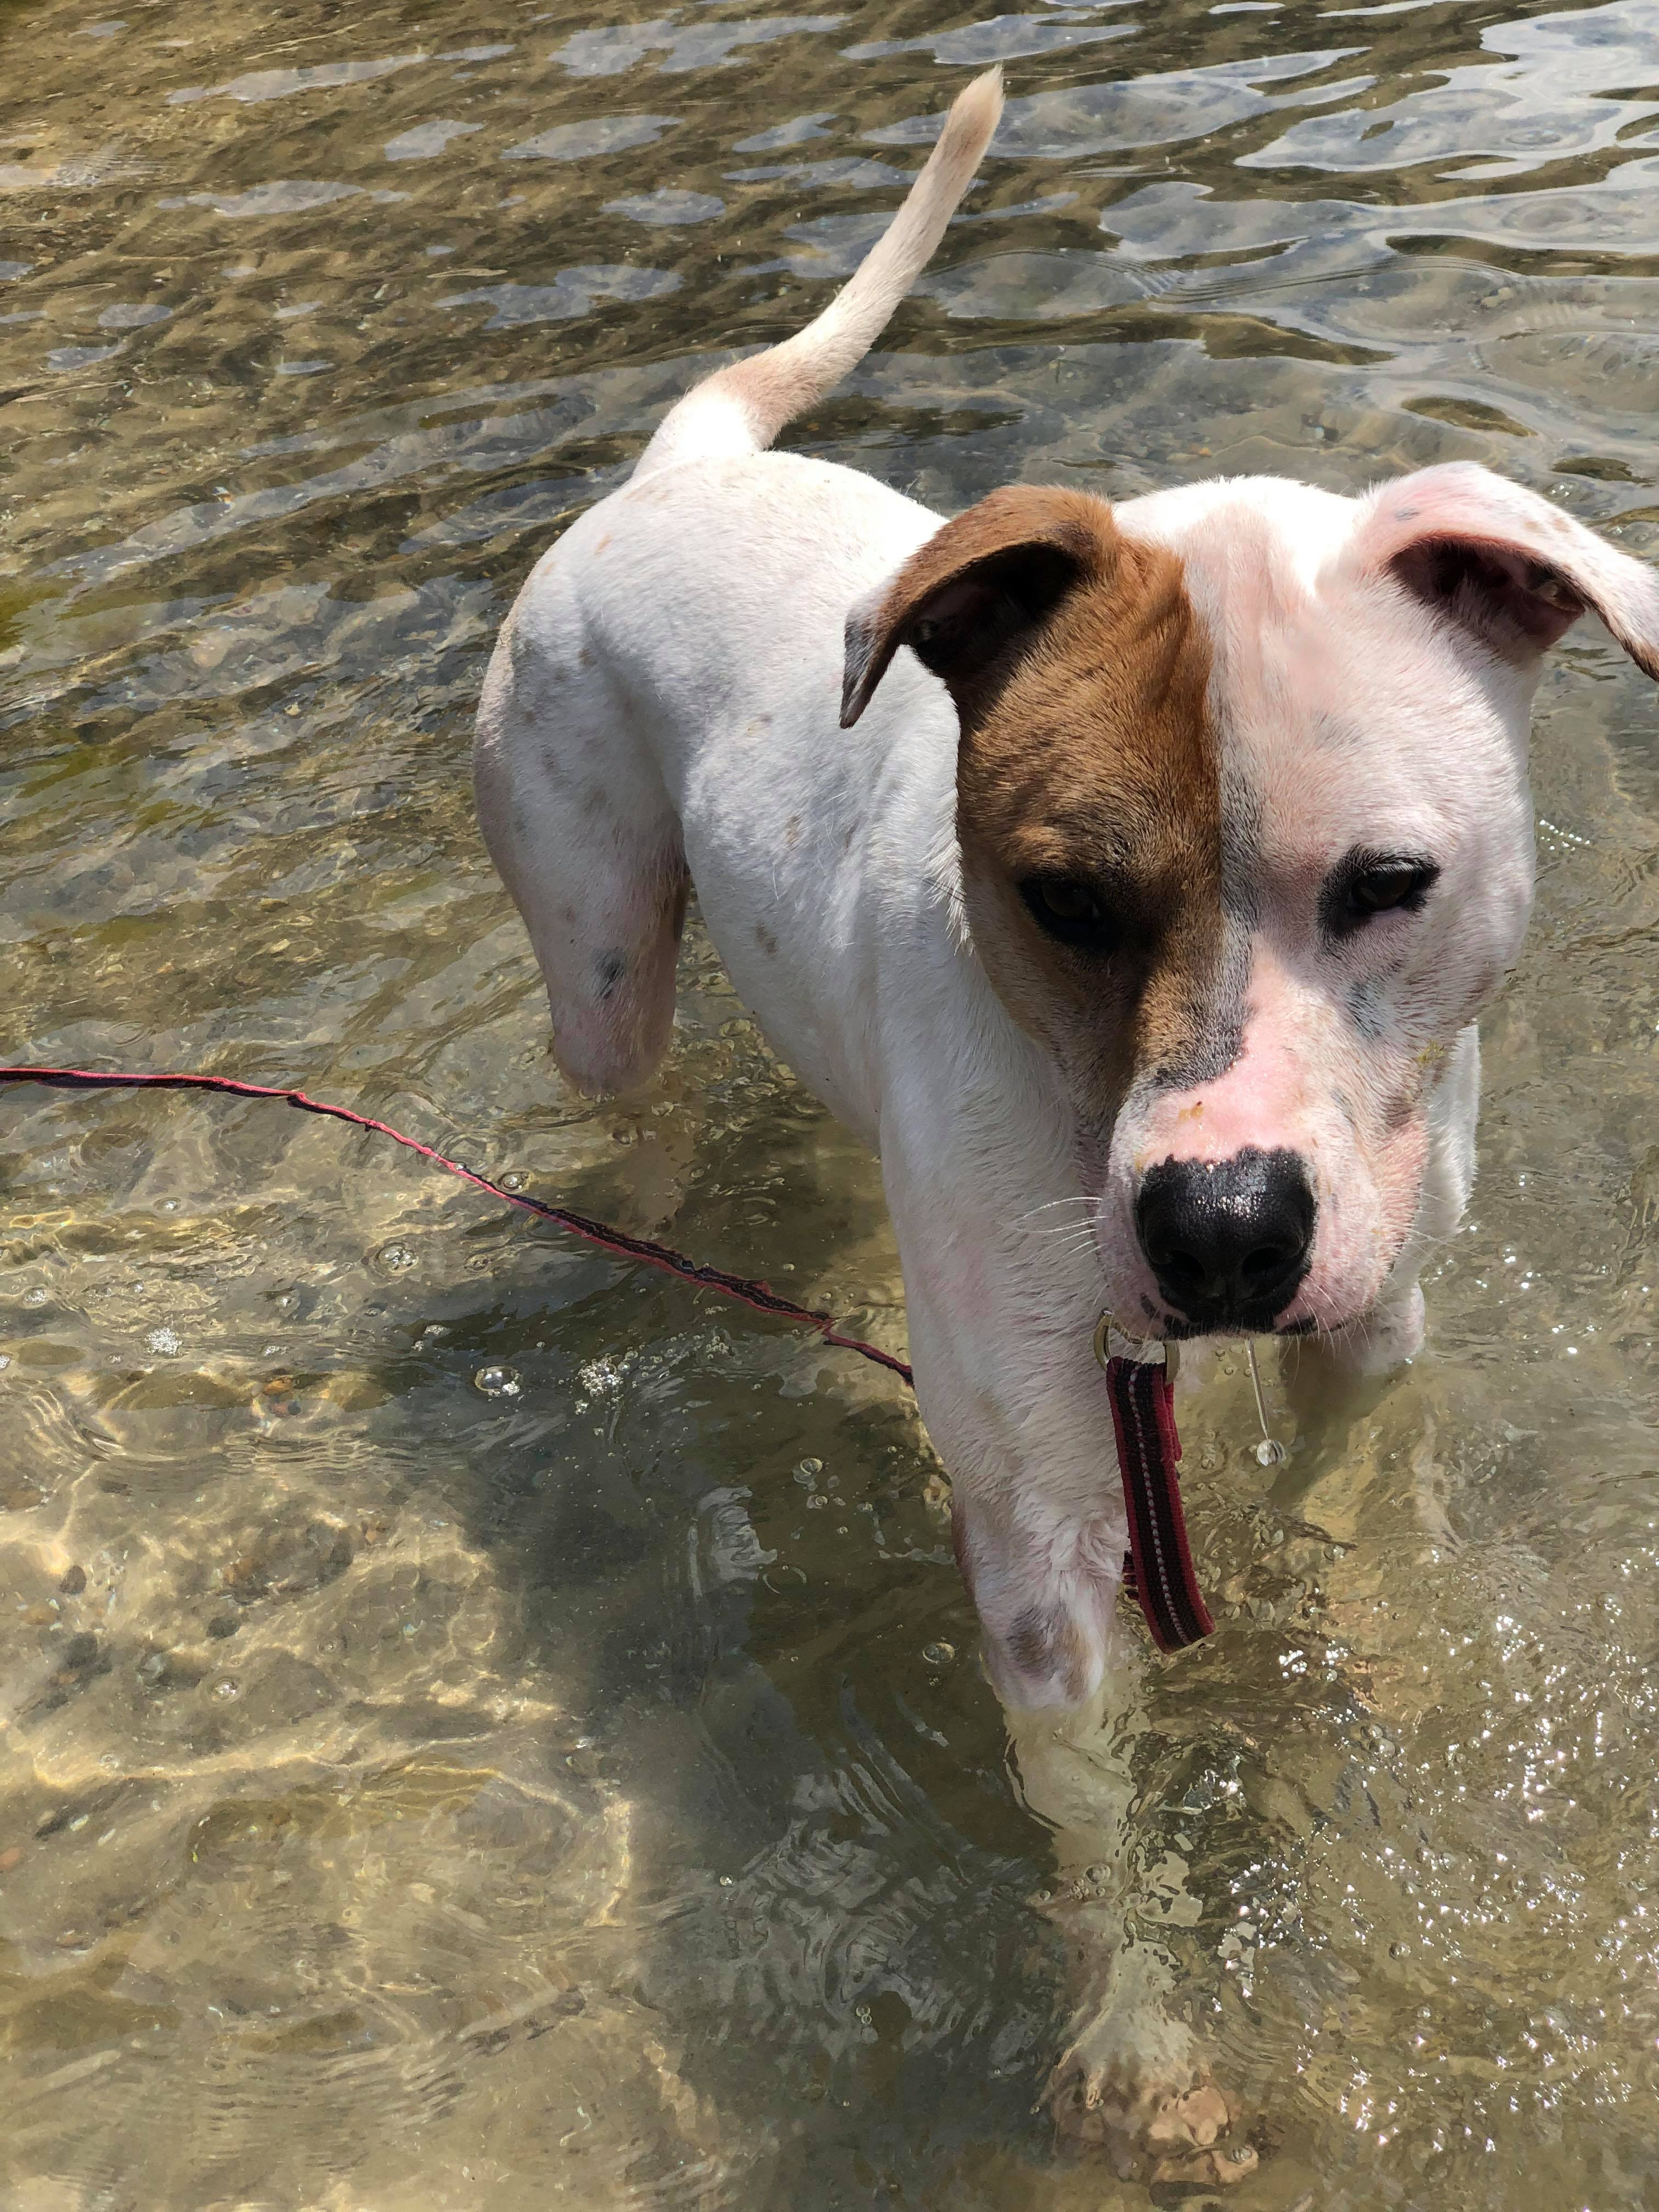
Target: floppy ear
971, 602
1505, 564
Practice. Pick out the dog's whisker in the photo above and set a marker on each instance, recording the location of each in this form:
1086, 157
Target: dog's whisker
1051, 1205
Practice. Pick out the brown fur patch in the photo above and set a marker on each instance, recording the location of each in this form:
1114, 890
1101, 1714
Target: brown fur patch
1087, 755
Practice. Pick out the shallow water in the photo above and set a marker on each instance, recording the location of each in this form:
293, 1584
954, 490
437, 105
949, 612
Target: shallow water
479, 1724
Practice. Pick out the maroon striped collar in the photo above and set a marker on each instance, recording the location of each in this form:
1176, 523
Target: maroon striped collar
1140, 1374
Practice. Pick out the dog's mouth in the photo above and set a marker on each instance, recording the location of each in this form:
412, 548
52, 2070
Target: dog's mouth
1176, 1328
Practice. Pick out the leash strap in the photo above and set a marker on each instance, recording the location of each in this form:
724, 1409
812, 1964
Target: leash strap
746, 1290
1159, 1566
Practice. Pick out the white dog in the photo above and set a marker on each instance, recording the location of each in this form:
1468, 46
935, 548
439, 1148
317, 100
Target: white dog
1154, 860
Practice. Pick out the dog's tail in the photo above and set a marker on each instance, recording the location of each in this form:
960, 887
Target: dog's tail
740, 410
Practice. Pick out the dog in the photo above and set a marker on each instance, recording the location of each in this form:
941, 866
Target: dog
1138, 870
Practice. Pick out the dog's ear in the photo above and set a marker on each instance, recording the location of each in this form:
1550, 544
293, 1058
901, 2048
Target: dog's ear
972, 601
1505, 564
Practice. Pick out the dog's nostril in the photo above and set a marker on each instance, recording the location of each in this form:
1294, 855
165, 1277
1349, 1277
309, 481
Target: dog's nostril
1182, 1268
1228, 1240
1265, 1263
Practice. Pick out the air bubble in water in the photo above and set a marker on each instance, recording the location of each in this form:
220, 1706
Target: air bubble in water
513, 1180
396, 1256
498, 1381
35, 1298
938, 1654
167, 1341
807, 1472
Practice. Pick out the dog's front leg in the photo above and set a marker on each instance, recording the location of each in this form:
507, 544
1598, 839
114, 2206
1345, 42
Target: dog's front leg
1132, 2077
1017, 1408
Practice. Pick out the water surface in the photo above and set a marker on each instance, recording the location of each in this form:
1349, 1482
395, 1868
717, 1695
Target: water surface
479, 1724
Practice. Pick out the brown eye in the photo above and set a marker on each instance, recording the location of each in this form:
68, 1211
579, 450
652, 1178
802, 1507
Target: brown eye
1368, 884
1070, 911
1383, 888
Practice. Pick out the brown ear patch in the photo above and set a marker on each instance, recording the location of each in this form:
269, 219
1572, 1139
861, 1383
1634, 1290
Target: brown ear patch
1089, 763
971, 600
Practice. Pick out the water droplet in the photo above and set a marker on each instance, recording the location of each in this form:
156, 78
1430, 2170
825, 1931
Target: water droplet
807, 1472
816, 1504
227, 1688
170, 1206
939, 1654
167, 1341
513, 1180
1270, 1452
396, 1256
35, 1298
498, 1381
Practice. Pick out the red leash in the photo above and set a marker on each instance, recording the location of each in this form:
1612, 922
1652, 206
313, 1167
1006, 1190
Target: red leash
1158, 1567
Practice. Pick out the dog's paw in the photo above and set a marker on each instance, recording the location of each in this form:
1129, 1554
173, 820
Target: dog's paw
1156, 2131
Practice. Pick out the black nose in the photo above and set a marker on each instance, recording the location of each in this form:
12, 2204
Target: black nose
1228, 1241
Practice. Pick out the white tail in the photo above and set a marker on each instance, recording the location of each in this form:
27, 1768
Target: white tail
742, 409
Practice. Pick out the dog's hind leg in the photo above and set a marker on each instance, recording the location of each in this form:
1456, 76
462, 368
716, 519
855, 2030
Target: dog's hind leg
577, 820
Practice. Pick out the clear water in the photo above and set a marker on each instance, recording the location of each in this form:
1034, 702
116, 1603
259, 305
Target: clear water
479, 1725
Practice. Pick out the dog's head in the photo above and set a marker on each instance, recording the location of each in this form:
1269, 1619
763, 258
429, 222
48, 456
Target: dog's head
1246, 840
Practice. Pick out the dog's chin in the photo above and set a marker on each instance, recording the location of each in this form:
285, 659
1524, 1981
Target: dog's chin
1140, 1317
1177, 1328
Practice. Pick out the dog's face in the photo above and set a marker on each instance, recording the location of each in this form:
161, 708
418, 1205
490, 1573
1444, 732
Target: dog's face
1246, 841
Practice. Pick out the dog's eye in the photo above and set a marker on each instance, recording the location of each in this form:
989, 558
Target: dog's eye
1379, 890
1368, 884
1070, 911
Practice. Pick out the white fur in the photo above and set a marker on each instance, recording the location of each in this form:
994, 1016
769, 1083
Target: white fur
664, 699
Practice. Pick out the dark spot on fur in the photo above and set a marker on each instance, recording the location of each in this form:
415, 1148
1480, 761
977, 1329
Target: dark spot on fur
767, 942
791, 830
1032, 1641
1045, 1645
1363, 1010
609, 970
585, 658
596, 800
1400, 1109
